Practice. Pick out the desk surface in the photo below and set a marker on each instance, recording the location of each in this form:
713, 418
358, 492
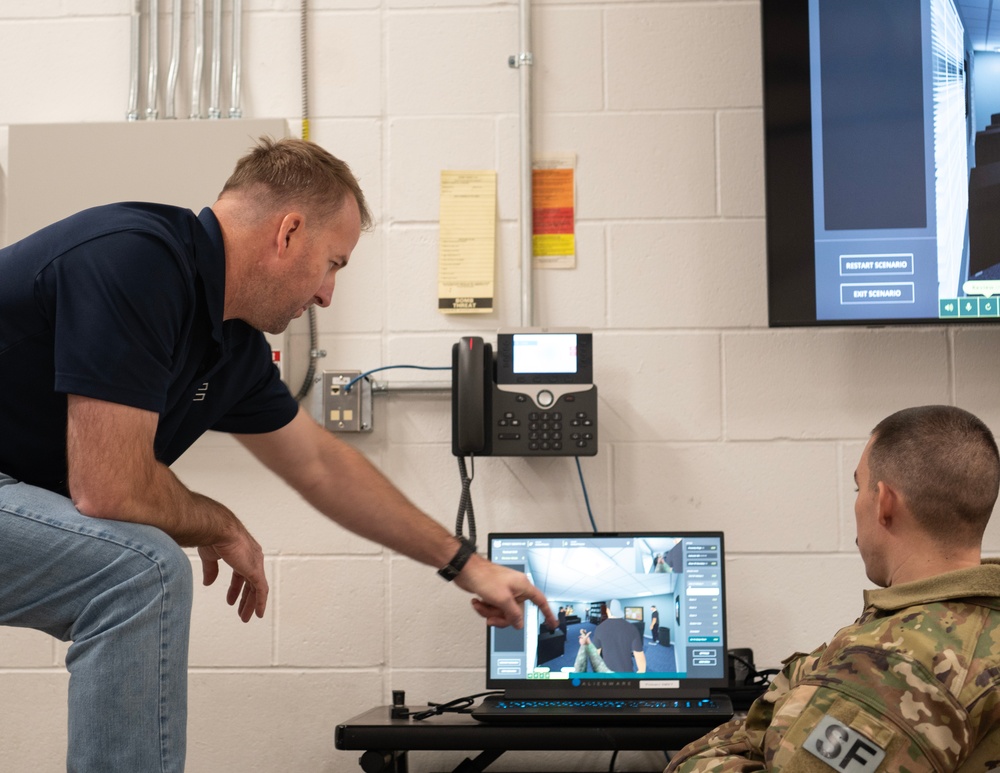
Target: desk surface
376, 730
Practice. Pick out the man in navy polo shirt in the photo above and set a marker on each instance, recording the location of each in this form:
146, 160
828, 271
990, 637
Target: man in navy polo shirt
126, 332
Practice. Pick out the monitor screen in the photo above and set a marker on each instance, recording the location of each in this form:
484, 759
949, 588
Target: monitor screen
614, 582
882, 162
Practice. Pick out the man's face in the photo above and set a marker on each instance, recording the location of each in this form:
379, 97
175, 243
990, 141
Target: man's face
318, 252
866, 519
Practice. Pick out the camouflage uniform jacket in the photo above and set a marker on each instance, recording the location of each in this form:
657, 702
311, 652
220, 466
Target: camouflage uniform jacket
912, 686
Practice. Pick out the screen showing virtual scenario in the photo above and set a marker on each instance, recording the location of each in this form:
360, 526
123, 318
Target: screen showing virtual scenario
647, 607
904, 107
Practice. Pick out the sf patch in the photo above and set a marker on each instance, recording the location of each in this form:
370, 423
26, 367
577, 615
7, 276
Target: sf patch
843, 748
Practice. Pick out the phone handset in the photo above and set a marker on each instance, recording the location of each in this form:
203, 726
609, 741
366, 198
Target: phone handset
471, 385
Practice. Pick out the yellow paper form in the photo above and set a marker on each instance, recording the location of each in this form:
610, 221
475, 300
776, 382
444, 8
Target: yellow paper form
467, 247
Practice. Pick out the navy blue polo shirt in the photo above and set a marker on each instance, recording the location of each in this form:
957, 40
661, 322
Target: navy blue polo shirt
124, 303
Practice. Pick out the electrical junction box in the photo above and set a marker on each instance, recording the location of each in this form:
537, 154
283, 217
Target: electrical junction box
341, 409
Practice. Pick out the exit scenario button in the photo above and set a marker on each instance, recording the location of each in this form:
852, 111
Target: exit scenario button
877, 292
875, 265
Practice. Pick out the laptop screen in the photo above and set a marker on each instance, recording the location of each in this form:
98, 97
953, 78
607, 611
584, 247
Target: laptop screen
642, 614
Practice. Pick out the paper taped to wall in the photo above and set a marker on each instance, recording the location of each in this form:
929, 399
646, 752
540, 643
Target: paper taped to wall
467, 241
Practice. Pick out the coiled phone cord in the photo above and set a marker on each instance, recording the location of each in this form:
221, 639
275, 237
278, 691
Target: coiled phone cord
465, 501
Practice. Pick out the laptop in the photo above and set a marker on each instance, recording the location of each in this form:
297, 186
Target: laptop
642, 635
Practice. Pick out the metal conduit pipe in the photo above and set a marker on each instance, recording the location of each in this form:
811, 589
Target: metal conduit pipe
133, 83
304, 66
314, 351
523, 62
153, 58
213, 99
175, 58
384, 387
199, 57
237, 51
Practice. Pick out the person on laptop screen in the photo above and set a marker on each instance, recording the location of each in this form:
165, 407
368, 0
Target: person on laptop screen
914, 684
618, 641
614, 644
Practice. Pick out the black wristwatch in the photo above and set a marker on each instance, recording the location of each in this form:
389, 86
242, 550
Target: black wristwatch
465, 551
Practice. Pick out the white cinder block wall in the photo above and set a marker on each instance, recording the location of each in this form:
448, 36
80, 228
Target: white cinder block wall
708, 418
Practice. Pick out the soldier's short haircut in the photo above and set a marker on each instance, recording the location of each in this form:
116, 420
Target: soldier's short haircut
293, 173
944, 461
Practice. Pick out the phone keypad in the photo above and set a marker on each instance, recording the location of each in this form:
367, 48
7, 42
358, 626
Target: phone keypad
548, 430
521, 427
545, 431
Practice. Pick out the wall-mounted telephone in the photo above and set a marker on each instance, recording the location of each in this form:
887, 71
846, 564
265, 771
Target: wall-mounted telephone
534, 397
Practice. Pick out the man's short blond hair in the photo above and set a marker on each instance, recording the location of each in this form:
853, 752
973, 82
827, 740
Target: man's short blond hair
291, 173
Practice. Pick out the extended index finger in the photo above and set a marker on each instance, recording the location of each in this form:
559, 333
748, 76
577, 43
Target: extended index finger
503, 613
534, 595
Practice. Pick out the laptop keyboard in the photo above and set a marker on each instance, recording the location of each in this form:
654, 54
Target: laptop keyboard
622, 706
658, 711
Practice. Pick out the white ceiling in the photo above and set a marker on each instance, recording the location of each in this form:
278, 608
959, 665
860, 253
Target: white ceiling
982, 22
596, 574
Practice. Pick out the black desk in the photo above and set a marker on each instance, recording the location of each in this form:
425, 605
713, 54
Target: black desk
386, 742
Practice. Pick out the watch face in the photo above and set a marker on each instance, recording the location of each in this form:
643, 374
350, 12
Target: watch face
454, 567
448, 573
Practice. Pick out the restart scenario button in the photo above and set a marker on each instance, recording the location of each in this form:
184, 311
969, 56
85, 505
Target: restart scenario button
877, 292
876, 265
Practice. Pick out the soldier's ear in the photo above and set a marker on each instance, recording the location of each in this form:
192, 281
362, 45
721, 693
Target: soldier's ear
888, 503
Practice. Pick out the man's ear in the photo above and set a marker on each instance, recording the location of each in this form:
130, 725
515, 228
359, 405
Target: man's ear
888, 504
289, 228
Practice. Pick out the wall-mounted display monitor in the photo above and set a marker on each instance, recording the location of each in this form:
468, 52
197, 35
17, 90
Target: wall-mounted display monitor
882, 162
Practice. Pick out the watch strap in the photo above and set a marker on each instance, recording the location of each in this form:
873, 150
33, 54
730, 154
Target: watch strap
466, 549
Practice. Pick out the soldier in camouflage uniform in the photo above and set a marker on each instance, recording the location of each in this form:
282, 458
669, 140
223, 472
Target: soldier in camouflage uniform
914, 684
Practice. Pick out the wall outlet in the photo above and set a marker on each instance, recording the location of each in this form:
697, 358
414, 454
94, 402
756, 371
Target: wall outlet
343, 410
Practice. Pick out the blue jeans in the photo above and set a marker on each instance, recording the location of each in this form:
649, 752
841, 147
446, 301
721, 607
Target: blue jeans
121, 593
